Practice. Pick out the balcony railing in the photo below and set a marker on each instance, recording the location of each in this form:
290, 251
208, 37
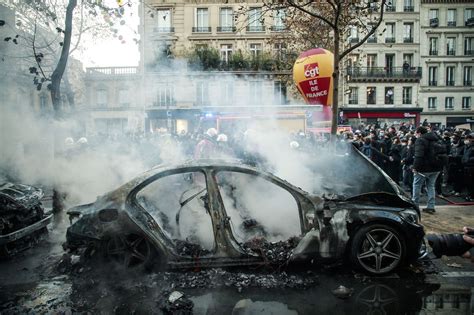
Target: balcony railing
432, 83
163, 29
451, 23
390, 39
433, 52
408, 8
278, 28
373, 73
467, 83
408, 40
372, 39
468, 52
202, 29
353, 40
449, 82
434, 22
390, 8
255, 28
450, 52
100, 71
469, 22
226, 29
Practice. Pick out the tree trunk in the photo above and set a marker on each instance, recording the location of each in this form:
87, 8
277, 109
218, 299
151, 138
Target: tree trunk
71, 99
335, 86
57, 75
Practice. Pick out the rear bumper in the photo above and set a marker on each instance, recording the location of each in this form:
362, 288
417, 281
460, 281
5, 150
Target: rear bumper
19, 234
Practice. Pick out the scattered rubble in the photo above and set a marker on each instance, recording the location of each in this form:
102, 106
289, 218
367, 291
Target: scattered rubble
175, 303
276, 252
342, 292
189, 249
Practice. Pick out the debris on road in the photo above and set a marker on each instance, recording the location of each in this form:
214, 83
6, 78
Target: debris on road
342, 292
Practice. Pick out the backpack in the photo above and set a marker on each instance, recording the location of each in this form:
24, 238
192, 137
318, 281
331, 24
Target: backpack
438, 153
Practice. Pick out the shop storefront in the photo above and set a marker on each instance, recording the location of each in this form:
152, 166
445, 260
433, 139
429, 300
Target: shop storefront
382, 116
172, 120
466, 122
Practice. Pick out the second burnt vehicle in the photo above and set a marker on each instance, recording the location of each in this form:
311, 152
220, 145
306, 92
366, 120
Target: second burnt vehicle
211, 213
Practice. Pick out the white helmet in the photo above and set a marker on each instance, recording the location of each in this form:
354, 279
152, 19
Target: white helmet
211, 132
69, 141
82, 140
222, 138
294, 145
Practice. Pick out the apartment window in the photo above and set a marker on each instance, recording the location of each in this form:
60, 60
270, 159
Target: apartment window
255, 92
371, 94
227, 93
407, 95
389, 95
279, 20
390, 33
391, 6
451, 46
450, 76
102, 98
202, 21
469, 17
451, 17
432, 76
408, 58
466, 102
255, 20
467, 76
165, 95
279, 50
433, 46
226, 52
372, 38
202, 93
449, 103
124, 97
164, 21
432, 102
469, 46
433, 17
371, 60
353, 95
255, 50
354, 34
408, 32
279, 93
226, 20
408, 6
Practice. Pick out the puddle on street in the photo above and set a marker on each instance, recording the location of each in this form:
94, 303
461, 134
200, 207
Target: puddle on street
140, 295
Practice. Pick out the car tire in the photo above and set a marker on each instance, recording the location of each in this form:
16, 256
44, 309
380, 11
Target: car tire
377, 249
131, 251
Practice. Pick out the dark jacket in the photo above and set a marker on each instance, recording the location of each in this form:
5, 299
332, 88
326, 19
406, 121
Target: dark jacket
408, 153
423, 161
468, 156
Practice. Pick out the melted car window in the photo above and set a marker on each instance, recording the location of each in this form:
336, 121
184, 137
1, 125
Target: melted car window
179, 204
258, 208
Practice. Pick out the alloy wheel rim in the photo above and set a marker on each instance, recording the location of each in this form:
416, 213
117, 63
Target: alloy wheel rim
380, 251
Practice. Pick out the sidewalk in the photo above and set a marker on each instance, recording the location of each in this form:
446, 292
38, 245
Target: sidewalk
448, 219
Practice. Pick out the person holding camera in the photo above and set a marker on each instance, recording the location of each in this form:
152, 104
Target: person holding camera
470, 240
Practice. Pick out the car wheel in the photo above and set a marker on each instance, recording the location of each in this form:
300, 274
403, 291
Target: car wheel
377, 249
130, 251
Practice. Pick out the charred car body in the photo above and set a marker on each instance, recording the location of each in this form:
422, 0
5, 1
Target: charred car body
217, 213
22, 217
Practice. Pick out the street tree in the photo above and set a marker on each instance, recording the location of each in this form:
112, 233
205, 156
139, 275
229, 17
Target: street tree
329, 23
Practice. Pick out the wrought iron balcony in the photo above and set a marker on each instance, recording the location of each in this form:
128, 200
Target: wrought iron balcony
467, 83
449, 82
468, 52
451, 23
408, 40
255, 28
469, 22
353, 40
201, 29
408, 8
432, 83
278, 28
433, 52
451, 52
434, 22
372, 39
390, 39
226, 29
390, 8
163, 29
381, 74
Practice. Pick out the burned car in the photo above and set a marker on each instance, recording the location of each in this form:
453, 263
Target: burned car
210, 213
22, 217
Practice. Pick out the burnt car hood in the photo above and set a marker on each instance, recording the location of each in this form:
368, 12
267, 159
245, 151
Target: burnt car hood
25, 195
